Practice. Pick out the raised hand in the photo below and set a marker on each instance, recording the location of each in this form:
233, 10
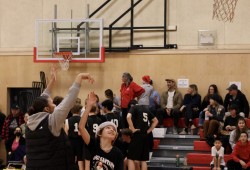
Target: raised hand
53, 71
92, 99
84, 76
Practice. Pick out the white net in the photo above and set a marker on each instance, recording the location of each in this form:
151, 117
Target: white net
64, 58
223, 10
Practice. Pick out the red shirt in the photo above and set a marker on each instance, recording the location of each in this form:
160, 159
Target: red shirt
242, 152
130, 92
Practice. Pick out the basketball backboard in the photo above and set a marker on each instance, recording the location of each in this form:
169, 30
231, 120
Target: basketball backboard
82, 37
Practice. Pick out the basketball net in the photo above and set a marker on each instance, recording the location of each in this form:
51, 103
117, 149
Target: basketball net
64, 58
224, 10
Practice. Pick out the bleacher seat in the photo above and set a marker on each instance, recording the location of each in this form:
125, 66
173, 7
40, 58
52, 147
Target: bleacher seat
156, 143
248, 123
202, 159
169, 122
201, 146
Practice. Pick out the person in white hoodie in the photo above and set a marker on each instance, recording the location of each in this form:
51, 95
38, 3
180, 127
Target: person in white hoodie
47, 145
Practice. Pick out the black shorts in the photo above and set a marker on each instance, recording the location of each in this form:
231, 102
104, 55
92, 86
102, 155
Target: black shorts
138, 148
86, 155
77, 145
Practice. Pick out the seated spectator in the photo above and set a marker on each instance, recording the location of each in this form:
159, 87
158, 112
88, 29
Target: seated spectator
171, 101
236, 97
235, 134
16, 146
215, 114
217, 152
229, 125
191, 106
241, 154
211, 91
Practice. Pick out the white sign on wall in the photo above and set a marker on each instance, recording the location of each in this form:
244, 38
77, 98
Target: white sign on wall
237, 83
182, 83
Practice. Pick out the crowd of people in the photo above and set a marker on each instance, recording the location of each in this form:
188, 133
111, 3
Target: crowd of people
115, 134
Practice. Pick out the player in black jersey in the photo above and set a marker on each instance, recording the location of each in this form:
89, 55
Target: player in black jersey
108, 115
93, 121
71, 129
141, 121
103, 154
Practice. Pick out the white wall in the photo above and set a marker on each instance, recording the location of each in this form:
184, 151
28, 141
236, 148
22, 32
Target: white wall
17, 21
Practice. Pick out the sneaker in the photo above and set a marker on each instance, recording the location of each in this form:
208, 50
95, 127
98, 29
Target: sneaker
175, 131
193, 127
184, 132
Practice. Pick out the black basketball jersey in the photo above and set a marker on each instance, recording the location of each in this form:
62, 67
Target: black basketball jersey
73, 126
141, 117
93, 122
112, 117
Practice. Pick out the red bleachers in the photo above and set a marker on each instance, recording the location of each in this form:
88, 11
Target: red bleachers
169, 122
248, 123
203, 159
201, 146
156, 143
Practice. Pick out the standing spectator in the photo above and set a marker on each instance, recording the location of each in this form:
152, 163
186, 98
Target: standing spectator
236, 97
191, 106
144, 98
235, 134
138, 118
12, 121
16, 146
45, 128
23, 126
154, 100
241, 154
171, 101
129, 91
71, 129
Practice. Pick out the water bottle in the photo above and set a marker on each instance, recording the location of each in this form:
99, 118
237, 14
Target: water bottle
177, 161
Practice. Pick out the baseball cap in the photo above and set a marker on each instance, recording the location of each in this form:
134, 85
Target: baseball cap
103, 125
232, 87
170, 80
15, 106
215, 97
146, 79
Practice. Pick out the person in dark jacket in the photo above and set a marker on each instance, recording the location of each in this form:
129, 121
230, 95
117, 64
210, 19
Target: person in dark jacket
47, 146
236, 97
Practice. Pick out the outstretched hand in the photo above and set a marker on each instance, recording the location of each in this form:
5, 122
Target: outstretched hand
92, 99
86, 76
53, 71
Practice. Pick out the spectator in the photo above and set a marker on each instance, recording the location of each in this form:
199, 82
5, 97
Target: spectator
241, 154
171, 101
16, 146
154, 100
215, 114
191, 106
129, 91
235, 134
2, 118
217, 152
236, 97
211, 91
12, 121
144, 98
23, 126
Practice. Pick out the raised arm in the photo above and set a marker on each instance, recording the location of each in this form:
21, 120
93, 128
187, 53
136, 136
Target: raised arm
57, 118
52, 81
91, 101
